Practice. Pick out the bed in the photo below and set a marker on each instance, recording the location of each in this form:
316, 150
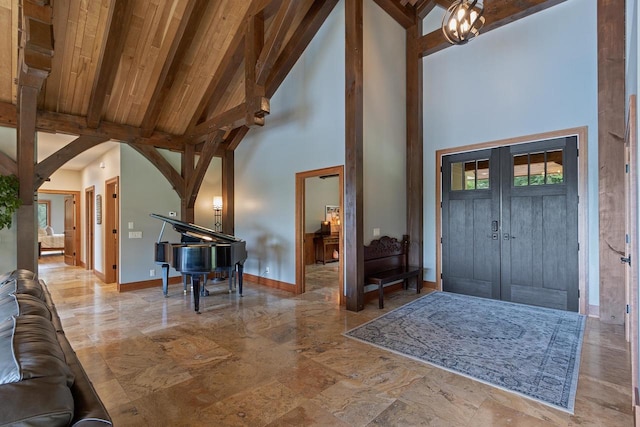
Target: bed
49, 240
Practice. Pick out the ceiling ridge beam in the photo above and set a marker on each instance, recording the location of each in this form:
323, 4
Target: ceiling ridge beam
272, 45
497, 13
165, 168
184, 37
309, 26
48, 166
405, 15
110, 53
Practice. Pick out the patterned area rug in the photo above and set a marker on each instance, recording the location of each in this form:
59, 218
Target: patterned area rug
531, 351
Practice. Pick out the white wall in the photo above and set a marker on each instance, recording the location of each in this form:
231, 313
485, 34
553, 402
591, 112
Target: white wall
384, 134
304, 131
211, 187
94, 175
143, 190
534, 75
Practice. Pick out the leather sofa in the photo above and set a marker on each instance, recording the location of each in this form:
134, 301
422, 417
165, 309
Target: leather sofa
42, 382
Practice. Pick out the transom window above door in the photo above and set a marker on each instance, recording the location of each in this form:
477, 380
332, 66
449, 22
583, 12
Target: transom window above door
471, 175
539, 168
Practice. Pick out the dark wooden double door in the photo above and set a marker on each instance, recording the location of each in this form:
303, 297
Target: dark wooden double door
510, 223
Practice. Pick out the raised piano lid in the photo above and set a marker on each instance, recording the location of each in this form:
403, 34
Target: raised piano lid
197, 231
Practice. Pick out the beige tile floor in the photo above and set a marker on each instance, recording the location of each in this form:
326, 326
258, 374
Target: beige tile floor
274, 359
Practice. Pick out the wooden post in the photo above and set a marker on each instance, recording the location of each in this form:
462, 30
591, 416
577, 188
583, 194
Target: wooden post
611, 130
414, 193
353, 200
36, 51
228, 211
187, 214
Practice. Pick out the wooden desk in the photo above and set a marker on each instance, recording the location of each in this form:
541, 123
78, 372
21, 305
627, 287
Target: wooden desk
324, 247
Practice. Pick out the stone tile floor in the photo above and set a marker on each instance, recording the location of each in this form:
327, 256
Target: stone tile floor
272, 358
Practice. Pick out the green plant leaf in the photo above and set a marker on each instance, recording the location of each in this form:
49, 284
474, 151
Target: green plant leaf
9, 200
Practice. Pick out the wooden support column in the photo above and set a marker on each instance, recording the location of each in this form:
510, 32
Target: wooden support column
228, 202
36, 51
188, 162
611, 131
414, 102
353, 191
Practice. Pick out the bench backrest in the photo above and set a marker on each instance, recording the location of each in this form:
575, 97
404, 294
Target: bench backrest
386, 253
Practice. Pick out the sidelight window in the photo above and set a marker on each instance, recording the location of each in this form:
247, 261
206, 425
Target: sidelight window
539, 168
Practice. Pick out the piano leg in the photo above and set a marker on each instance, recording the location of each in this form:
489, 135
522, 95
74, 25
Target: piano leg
204, 292
165, 280
240, 268
195, 281
184, 283
230, 273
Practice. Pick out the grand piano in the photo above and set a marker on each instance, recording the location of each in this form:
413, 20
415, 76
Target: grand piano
200, 251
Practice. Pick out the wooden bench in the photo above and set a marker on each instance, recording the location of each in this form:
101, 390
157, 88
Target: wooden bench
386, 260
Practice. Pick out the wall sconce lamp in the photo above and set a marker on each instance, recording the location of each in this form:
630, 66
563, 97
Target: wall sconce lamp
462, 21
217, 213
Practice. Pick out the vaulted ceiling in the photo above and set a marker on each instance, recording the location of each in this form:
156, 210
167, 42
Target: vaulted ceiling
172, 73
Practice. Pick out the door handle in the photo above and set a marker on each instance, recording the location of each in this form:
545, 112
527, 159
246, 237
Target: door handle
494, 226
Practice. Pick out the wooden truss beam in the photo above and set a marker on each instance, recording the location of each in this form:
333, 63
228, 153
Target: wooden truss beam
77, 125
272, 45
311, 23
232, 118
165, 168
118, 21
48, 166
253, 42
195, 181
184, 37
497, 13
404, 14
8, 166
34, 62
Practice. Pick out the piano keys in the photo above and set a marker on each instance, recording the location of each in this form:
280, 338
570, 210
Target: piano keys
199, 252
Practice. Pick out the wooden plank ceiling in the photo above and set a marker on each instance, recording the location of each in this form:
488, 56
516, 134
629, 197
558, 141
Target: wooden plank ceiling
170, 73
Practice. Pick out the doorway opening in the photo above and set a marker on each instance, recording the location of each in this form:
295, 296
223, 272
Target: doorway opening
319, 237
59, 224
510, 163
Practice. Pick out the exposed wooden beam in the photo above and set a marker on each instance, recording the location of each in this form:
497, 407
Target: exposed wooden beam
48, 166
165, 168
404, 14
354, 166
118, 21
187, 213
236, 136
497, 13
425, 7
34, 65
232, 118
228, 201
208, 151
185, 36
414, 154
253, 41
228, 66
272, 45
77, 125
302, 36
8, 166
611, 158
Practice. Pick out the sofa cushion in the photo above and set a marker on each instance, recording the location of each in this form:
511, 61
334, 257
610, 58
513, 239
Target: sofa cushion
29, 348
21, 304
36, 403
23, 286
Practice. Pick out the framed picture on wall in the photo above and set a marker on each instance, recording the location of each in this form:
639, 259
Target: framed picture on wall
332, 214
98, 208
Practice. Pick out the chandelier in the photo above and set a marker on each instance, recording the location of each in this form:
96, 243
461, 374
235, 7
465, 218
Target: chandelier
462, 21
